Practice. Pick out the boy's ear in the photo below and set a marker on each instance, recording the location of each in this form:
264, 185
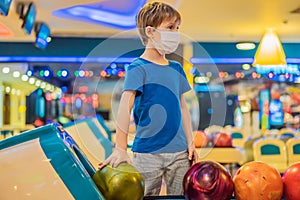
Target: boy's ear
149, 31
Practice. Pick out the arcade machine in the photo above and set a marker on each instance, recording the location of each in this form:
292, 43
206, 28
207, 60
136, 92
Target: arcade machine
276, 114
238, 117
264, 101
215, 107
36, 108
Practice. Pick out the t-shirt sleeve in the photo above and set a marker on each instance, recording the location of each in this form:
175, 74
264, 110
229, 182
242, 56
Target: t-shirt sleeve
134, 78
185, 86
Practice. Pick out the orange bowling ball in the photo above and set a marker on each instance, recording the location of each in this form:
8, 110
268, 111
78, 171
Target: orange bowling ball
200, 139
291, 182
257, 180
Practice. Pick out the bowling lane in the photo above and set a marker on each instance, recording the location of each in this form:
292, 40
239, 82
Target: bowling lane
91, 138
42, 164
21, 179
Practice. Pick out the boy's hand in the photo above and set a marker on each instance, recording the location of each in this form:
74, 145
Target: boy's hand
118, 156
193, 155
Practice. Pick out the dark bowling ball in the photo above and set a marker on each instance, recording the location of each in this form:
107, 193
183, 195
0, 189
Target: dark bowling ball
121, 183
207, 180
222, 140
291, 182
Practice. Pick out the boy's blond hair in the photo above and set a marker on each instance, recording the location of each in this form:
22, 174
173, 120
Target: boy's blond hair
153, 14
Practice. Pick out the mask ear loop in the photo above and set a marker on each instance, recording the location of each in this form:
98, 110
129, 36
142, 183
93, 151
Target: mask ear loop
149, 31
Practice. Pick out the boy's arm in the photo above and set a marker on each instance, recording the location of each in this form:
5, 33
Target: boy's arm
123, 119
187, 127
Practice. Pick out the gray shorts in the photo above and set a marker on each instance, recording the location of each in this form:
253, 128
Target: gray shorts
168, 166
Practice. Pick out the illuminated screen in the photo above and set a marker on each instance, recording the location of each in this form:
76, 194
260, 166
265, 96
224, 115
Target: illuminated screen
42, 35
276, 114
4, 7
29, 19
264, 112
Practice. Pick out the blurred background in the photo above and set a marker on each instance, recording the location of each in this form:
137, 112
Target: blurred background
62, 67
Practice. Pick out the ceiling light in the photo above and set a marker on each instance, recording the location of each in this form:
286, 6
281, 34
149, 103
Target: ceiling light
24, 77
113, 13
29, 72
43, 85
5, 32
245, 45
7, 89
16, 74
246, 66
201, 79
31, 81
38, 83
5, 70
48, 86
269, 51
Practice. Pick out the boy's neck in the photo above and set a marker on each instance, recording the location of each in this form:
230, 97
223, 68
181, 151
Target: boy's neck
152, 55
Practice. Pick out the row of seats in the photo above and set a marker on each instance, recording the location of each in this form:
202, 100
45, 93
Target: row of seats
279, 148
276, 152
240, 136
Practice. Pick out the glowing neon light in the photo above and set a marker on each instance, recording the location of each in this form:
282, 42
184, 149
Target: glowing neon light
220, 60
114, 13
64, 73
278, 69
195, 60
124, 60
66, 59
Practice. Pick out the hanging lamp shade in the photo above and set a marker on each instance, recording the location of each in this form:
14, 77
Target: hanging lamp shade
269, 51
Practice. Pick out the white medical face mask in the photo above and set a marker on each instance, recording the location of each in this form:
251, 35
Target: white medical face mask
169, 41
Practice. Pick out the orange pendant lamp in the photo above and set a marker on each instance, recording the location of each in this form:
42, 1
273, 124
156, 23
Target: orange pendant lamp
5, 32
269, 51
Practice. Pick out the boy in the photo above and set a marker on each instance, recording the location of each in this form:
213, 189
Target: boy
163, 146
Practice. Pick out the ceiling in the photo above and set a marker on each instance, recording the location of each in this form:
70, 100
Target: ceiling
203, 20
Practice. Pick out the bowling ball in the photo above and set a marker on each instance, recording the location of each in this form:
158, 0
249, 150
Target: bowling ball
291, 182
200, 139
222, 140
121, 183
257, 180
207, 180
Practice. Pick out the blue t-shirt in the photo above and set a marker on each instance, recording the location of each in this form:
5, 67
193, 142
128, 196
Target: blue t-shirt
157, 112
